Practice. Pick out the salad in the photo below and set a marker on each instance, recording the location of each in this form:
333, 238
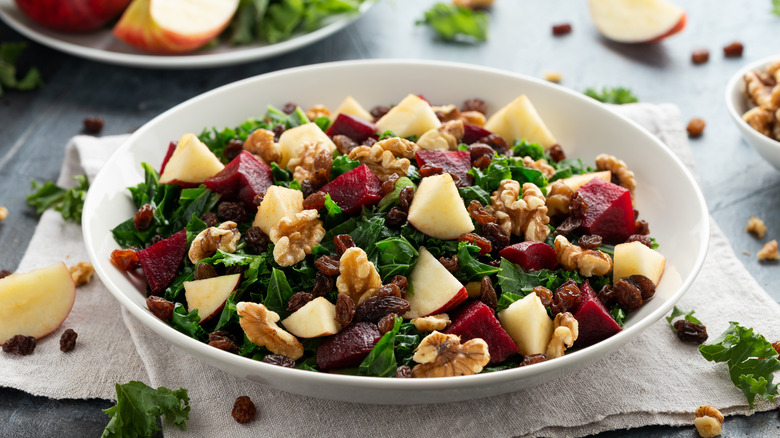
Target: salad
412, 240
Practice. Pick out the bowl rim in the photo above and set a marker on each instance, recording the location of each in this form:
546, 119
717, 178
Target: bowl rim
731, 87
461, 382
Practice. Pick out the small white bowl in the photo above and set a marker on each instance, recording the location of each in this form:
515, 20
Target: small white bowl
738, 105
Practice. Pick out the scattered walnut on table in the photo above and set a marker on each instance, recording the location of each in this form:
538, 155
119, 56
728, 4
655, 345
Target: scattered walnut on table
442, 355
553, 76
695, 127
756, 227
81, 273
259, 325
3, 213
587, 262
522, 217
382, 162
565, 333
432, 323
708, 421
261, 143
224, 238
621, 175
769, 251
358, 277
295, 235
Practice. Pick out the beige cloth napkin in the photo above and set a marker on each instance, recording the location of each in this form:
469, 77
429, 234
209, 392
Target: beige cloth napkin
655, 379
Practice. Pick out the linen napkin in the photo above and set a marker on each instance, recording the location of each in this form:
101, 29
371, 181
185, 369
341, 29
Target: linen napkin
654, 379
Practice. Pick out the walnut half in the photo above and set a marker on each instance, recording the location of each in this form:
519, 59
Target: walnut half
441, 355
566, 332
381, 161
259, 325
588, 262
295, 236
358, 278
432, 322
224, 238
526, 216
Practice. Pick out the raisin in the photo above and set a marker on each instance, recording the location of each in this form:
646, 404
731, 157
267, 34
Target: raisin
388, 184
498, 237
700, 56
402, 283
695, 127
556, 153
569, 224
315, 201
328, 265
690, 331
210, 218
223, 341
160, 307
485, 247
641, 227
231, 211
479, 214
298, 300
143, 218
379, 111
68, 340
233, 149
93, 125
478, 105
627, 295
482, 162
204, 270
19, 344
289, 107
123, 259
477, 150
235, 269
316, 181
450, 263
156, 238
405, 198
403, 372
645, 285
279, 360
561, 29
396, 217
345, 309
243, 409
733, 50
343, 242
533, 359
448, 115
487, 293
344, 144
256, 240
370, 141
389, 290
278, 130
495, 263
430, 170
5, 272
544, 294
578, 205
589, 241
322, 284
642, 239
375, 308
496, 142
387, 323
607, 296
566, 297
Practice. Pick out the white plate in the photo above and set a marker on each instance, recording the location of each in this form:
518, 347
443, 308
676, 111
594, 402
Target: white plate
584, 127
102, 46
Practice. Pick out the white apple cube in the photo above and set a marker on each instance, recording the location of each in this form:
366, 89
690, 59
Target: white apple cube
437, 210
278, 202
209, 294
577, 181
315, 319
412, 116
634, 258
191, 163
433, 289
527, 323
293, 141
637, 21
519, 120
353, 108
35, 303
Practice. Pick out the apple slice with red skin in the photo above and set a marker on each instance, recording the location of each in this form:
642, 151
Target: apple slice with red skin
72, 15
191, 163
637, 21
453, 162
531, 255
171, 148
474, 319
209, 295
243, 178
353, 127
472, 133
595, 321
610, 212
433, 289
348, 347
161, 261
354, 189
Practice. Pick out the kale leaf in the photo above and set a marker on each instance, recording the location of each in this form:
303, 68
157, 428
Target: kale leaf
677, 314
69, 202
456, 23
138, 406
9, 55
617, 95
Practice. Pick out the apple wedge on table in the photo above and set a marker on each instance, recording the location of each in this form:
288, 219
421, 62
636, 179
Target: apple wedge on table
637, 21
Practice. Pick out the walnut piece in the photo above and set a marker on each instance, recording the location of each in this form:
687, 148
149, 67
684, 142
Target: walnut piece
81, 273
295, 235
558, 198
769, 251
358, 278
317, 111
625, 178
261, 143
399, 147
382, 162
224, 238
540, 165
432, 322
303, 166
565, 333
709, 411
522, 217
756, 226
445, 137
553, 76
708, 427
259, 325
445, 113
441, 355
760, 119
3, 213
757, 90
473, 118
588, 262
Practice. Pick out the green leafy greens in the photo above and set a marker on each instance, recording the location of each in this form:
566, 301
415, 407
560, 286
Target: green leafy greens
776, 7
138, 406
9, 55
677, 313
456, 23
617, 95
69, 202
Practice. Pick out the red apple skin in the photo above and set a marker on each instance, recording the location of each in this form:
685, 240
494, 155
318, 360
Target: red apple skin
454, 302
676, 29
72, 15
531, 255
171, 148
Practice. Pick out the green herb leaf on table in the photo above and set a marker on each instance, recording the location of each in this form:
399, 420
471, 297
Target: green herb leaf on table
617, 95
456, 23
138, 406
776, 7
751, 359
677, 313
69, 202
9, 55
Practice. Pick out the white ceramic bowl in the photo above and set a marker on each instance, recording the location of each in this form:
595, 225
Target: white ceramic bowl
737, 104
668, 199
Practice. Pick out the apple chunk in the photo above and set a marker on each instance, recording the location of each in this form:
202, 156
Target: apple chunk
315, 319
72, 15
293, 141
433, 289
353, 108
635, 258
637, 21
437, 210
209, 294
528, 324
35, 303
576, 181
191, 163
519, 120
411, 116
277, 203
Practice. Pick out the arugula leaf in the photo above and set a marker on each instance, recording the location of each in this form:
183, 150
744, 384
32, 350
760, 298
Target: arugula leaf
69, 202
677, 313
187, 323
469, 268
617, 95
502, 168
396, 257
751, 359
9, 54
618, 314
280, 20
138, 406
522, 148
341, 165
456, 23
279, 293
474, 193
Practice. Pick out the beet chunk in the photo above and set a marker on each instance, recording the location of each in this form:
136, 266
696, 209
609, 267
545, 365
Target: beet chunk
595, 321
531, 255
354, 189
348, 347
474, 319
353, 127
453, 162
161, 261
243, 178
610, 212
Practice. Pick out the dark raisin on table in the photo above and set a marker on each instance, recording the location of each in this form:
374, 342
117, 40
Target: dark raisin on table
695, 127
93, 125
690, 331
561, 29
733, 50
700, 56
68, 340
243, 409
19, 344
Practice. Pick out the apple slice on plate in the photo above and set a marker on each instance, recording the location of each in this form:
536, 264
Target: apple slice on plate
191, 163
210, 294
433, 288
174, 26
637, 21
72, 15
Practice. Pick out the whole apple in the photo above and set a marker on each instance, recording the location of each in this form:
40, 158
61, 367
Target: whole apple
72, 15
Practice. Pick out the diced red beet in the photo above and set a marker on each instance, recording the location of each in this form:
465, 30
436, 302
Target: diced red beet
160, 262
171, 148
348, 347
531, 255
453, 162
242, 179
595, 321
472, 133
610, 212
354, 189
353, 127
474, 319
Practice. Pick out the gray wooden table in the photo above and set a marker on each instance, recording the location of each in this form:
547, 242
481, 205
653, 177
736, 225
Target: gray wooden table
737, 183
